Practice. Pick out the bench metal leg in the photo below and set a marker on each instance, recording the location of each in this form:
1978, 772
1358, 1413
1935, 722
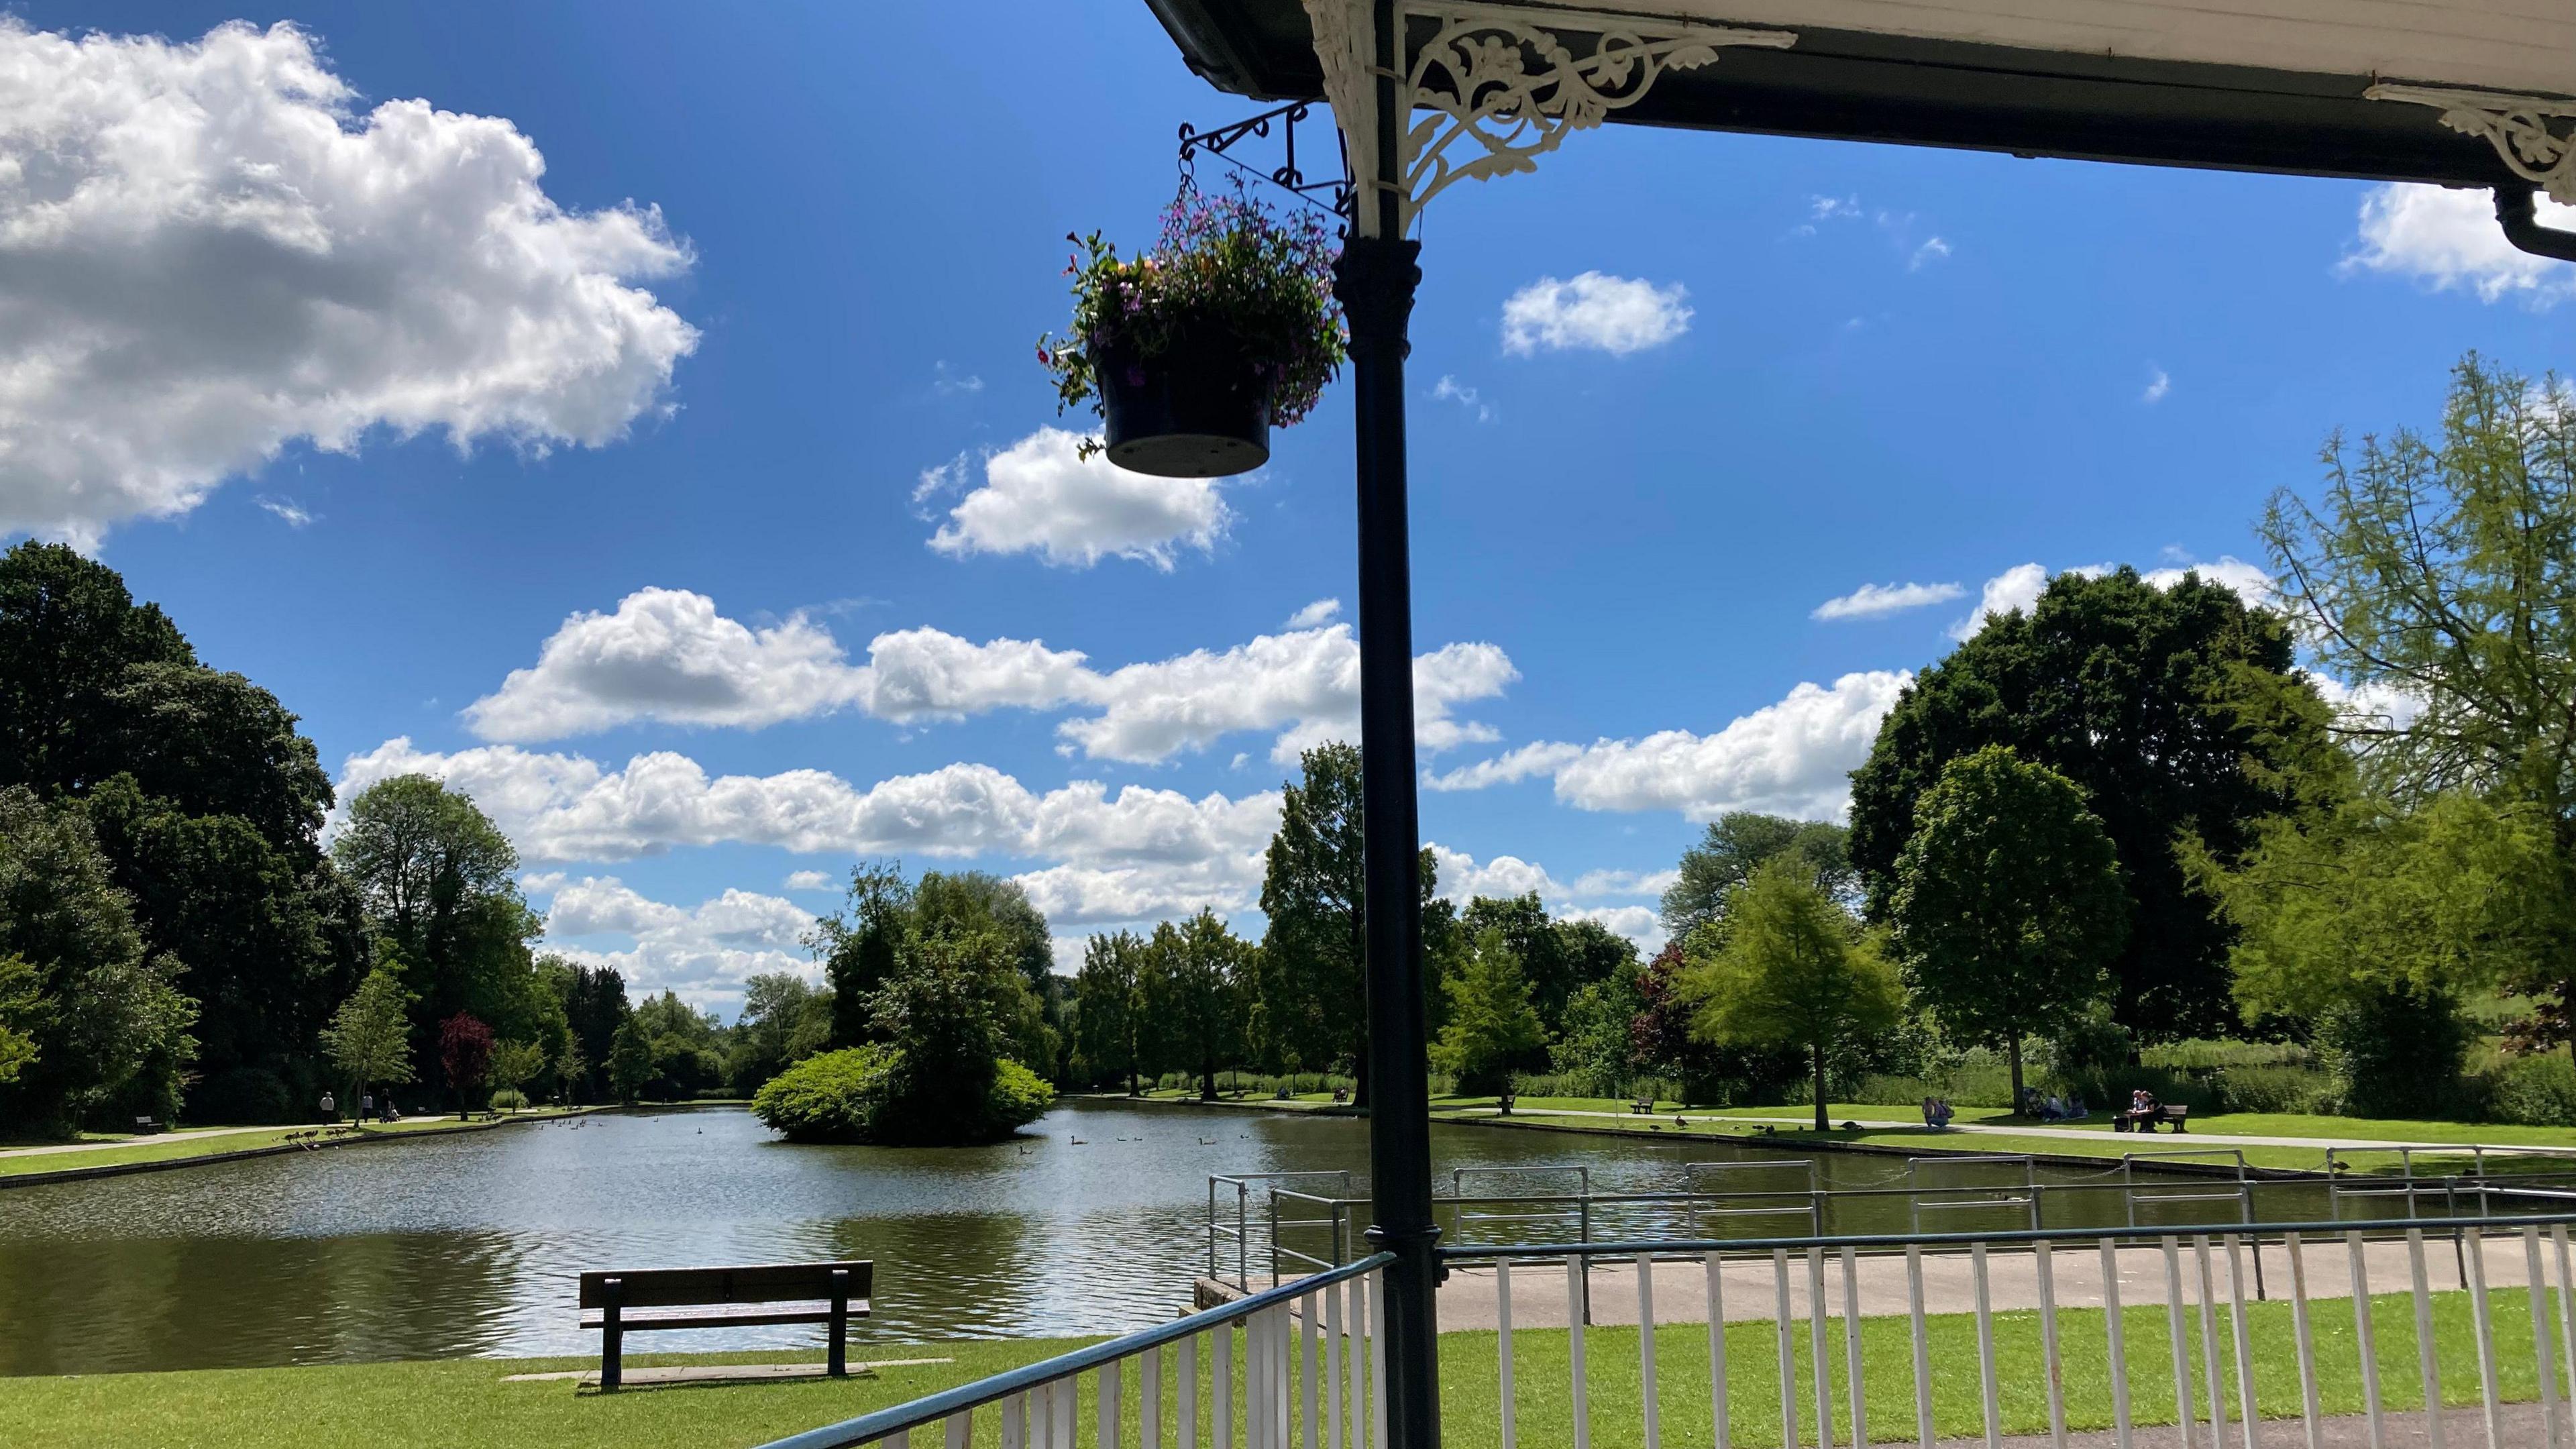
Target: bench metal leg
612, 1344
838, 1358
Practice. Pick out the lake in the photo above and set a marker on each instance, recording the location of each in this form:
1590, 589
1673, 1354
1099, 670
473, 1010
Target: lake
470, 1244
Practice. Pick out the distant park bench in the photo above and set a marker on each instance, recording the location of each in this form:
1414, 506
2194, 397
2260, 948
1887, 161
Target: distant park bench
2173, 1115
1643, 1106
144, 1126
768, 1293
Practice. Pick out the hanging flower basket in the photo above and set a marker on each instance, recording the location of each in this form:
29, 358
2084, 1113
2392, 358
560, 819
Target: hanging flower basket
1191, 352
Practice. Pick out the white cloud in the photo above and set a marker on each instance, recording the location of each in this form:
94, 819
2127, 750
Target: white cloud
1306, 681
559, 807
1509, 768
705, 954
948, 383
2158, 384
1642, 925
539, 882
2017, 587
1450, 389
1317, 613
1618, 315
1793, 758
2250, 582
809, 880
1075, 895
668, 655
288, 511
2445, 239
2381, 706
1625, 883
1462, 878
1932, 250
206, 254
1874, 601
1040, 496
1833, 208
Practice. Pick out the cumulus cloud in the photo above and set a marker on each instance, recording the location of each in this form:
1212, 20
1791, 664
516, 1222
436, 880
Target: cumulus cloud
1463, 877
809, 880
2448, 239
703, 953
1934, 249
1078, 895
1617, 315
563, 807
1317, 613
2159, 383
206, 253
1874, 601
1642, 925
1625, 883
668, 655
2376, 706
1790, 758
2019, 587
1041, 496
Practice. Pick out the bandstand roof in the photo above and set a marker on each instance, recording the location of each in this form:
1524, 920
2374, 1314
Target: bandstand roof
2257, 85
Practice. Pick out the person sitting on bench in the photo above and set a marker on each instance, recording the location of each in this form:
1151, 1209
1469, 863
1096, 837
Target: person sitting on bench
2141, 1116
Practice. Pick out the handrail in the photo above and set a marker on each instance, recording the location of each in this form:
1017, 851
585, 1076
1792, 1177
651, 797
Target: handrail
2015, 1235
886, 1422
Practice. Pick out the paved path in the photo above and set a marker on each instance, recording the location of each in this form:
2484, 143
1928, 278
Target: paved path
151, 1140
2097, 1137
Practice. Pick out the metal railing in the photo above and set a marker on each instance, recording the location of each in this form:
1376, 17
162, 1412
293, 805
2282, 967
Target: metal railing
1239, 1232
1336, 1395
2024, 1267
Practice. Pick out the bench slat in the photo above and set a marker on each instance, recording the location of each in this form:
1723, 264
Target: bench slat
722, 1317
756, 1283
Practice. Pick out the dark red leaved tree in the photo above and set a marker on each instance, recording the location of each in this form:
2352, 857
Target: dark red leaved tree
465, 1051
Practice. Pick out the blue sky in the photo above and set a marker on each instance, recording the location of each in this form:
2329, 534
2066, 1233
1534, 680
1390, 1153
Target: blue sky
576, 434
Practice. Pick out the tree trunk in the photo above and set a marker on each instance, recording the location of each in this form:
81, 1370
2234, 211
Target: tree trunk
2014, 1043
1822, 1125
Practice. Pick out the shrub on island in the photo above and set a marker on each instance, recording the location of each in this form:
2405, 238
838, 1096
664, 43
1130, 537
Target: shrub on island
866, 1095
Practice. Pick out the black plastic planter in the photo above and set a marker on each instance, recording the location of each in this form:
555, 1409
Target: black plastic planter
1196, 411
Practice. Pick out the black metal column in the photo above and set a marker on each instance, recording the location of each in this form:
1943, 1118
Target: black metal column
1375, 281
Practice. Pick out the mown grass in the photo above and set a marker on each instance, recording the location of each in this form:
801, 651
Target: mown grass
464, 1404
214, 1146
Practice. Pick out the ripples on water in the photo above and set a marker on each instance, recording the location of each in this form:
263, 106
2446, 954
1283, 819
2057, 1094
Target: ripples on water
470, 1244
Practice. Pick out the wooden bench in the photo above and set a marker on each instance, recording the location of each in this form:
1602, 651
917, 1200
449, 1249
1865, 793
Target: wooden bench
145, 1126
2172, 1115
762, 1294
1643, 1106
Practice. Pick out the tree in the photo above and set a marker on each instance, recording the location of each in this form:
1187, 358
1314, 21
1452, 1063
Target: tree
20, 998
948, 1009
69, 631
465, 1056
1741, 842
1312, 996
2161, 704
858, 945
630, 1062
1493, 1025
1193, 981
1558, 958
434, 874
1794, 973
369, 1038
516, 1063
783, 1021
1112, 1021
2008, 904
107, 1025
594, 1007
2436, 577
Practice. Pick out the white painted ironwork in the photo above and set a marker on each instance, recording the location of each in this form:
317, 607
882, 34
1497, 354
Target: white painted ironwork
2534, 135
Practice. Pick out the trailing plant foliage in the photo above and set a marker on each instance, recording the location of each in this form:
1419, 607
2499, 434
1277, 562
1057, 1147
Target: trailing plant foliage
1226, 270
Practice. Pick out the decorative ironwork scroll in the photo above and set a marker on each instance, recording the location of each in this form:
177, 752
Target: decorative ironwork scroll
2535, 136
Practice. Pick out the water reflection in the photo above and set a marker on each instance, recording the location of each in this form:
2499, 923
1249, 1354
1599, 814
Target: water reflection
470, 1244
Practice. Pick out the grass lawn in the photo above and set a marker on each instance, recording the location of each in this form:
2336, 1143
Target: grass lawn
463, 1404
207, 1147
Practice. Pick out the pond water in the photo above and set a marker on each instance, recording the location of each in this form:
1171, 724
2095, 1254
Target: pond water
470, 1244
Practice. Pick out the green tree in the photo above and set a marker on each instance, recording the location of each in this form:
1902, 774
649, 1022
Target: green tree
1493, 1025
2161, 704
20, 1000
1558, 958
1194, 978
369, 1038
949, 1009
593, 1000
2008, 904
515, 1064
1794, 973
1311, 996
1741, 842
2436, 576
858, 945
434, 874
1597, 1044
775, 1028
630, 1062
1113, 1024
69, 632
109, 1024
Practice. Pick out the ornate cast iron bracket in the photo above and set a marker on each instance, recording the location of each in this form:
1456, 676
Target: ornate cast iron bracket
1505, 89
1334, 193
2524, 130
